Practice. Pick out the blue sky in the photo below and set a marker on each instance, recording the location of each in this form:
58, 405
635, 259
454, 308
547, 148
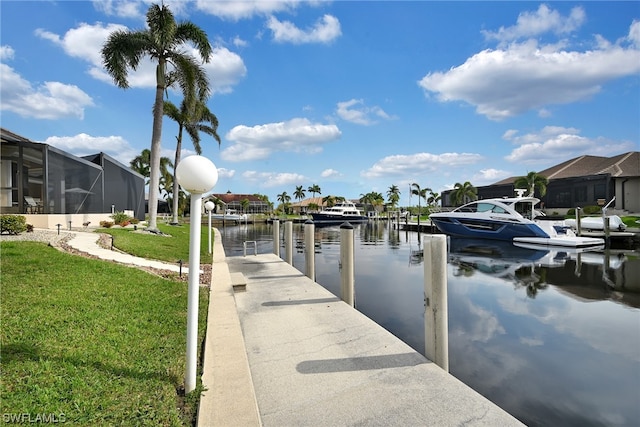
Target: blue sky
352, 96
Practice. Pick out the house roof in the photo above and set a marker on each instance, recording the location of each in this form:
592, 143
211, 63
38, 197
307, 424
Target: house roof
623, 165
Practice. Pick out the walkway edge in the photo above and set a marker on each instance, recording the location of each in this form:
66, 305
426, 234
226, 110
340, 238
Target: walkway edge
229, 398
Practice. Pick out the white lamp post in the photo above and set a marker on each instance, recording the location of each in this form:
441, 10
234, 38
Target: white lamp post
209, 206
197, 175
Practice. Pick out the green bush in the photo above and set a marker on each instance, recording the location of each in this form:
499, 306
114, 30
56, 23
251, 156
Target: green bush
590, 210
106, 224
571, 212
120, 218
13, 224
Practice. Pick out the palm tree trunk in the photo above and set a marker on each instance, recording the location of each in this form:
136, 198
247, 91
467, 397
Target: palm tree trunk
176, 185
156, 145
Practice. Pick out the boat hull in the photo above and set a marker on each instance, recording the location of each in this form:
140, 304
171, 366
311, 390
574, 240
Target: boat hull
479, 228
337, 219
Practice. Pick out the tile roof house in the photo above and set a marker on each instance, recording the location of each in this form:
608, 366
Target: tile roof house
582, 181
234, 202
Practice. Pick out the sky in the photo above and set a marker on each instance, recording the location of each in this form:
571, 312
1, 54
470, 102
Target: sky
352, 96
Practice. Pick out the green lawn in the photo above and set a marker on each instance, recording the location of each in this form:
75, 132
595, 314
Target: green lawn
101, 343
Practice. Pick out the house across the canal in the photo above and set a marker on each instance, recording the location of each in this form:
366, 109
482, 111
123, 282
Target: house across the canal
579, 182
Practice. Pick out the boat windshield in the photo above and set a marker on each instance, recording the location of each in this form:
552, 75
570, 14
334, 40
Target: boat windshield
482, 207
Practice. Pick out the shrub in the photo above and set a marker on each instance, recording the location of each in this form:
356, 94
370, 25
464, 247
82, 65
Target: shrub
13, 224
29, 228
590, 210
120, 217
571, 212
134, 221
106, 224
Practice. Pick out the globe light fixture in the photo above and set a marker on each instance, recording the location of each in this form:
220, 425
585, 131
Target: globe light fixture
196, 175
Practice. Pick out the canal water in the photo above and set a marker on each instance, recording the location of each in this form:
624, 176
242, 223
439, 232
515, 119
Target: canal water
552, 337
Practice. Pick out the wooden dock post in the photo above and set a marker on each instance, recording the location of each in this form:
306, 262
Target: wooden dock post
347, 273
436, 324
310, 249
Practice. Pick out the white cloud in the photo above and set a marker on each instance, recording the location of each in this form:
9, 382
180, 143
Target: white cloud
120, 8
226, 173
489, 176
236, 10
273, 179
50, 100
355, 111
83, 144
296, 135
418, 164
225, 68
527, 75
554, 142
325, 30
330, 173
543, 20
6, 53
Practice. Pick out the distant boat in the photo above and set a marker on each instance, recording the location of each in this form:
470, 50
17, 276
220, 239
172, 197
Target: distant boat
229, 215
511, 219
340, 212
596, 223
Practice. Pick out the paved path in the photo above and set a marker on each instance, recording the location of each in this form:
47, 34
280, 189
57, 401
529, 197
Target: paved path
87, 242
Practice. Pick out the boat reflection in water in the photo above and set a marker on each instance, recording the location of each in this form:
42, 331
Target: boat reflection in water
584, 273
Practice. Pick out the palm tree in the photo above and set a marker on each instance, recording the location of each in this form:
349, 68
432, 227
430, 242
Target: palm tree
284, 198
141, 164
463, 193
329, 201
193, 117
299, 193
422, 194
434, 198
162, 41
393, 195
315, 188
531, 182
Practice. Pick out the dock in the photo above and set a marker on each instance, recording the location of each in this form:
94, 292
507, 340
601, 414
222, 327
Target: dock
284, 351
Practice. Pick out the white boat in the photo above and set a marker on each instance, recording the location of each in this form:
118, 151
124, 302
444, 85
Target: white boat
229, 215
509, 218
340, 212
596, 223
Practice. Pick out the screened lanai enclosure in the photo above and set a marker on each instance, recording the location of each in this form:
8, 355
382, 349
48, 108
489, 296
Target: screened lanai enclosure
37, 178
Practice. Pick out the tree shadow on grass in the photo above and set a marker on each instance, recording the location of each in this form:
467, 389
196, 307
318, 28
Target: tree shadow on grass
25, 351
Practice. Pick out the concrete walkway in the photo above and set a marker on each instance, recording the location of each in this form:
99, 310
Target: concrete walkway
88, 242
287, 352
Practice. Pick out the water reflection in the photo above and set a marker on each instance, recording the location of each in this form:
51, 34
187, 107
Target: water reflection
551, 336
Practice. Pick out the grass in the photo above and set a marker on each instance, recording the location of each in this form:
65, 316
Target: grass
100, 343
170, 248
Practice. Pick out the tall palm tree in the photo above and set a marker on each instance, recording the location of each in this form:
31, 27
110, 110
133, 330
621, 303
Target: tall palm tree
315, 188
393, 195
532, 181
141, 164
162, 41
434, 198
193, 117
422, 194
463, 193
299, 193
284, 198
